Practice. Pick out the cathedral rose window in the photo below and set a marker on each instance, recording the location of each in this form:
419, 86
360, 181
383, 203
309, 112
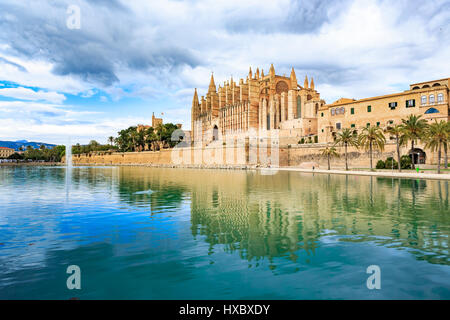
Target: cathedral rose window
282, 87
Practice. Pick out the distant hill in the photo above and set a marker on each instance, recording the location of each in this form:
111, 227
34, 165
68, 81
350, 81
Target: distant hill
24, 143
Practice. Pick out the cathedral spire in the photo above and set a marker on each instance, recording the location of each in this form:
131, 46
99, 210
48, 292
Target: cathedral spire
212, 85
312, 83
272, 70
257, 73
250, 73
305, 84
262, 73
293, 76
195, 100
293, 79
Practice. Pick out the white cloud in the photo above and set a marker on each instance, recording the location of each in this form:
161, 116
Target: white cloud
21, 93
55, 124
160, 50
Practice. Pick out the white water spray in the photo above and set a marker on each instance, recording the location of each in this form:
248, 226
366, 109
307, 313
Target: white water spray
68, 168
69, 155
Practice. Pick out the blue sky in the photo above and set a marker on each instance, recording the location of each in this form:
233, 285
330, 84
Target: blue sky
129, 59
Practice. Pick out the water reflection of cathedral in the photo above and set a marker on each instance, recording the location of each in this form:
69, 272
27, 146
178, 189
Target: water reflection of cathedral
274, 216
262, 216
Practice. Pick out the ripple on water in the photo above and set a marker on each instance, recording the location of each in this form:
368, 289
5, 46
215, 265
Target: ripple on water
154, 233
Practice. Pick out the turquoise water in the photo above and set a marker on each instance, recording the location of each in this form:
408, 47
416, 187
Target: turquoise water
149, 233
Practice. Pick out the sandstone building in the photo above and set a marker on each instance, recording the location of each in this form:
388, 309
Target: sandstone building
428, 99
155, 123
6, 152
260, 103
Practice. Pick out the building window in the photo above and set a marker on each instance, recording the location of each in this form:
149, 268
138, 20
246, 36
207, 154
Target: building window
392, 105
410, 103
352, 111
378, 124
352, 125
431, 99
369, 108
299, 108
321, 114
368, 124
432, 110
440, 97
338, 126
332, 112
424, 100
322, 130
391, 121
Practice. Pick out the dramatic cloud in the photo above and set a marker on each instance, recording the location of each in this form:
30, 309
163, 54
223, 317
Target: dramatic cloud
158, 51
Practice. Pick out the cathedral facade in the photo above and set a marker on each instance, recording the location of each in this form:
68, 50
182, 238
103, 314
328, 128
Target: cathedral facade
261, 103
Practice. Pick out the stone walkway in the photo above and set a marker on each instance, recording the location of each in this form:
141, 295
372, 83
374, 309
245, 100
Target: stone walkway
410, 175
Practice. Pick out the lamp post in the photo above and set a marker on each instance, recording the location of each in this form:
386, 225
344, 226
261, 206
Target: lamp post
392, 162
418, 154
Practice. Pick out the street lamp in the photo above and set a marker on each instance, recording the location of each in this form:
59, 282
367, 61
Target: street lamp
417, 168
392, 162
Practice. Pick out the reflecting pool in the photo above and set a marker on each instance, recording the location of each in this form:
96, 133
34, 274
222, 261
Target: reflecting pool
156, 233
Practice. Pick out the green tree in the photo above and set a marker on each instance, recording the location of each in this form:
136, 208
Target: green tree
346, 138
397, 132
125, 139
436, 136
372, 138
93, 144
16, 156
169, 128
414, 129
111, 140
446, 146
151, 138
330, 152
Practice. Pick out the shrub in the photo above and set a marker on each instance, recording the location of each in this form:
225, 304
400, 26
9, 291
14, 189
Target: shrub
390, 163
16, 156
405, 162
380, 164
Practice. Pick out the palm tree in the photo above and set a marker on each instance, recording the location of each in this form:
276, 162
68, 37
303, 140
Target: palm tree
414, 128
330, 153
446, 146
111, 140
347, 138
150, 138
398, 133
372, 138
437, 136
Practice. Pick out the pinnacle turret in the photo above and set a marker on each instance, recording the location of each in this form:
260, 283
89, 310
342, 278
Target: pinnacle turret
212, 85
272, 70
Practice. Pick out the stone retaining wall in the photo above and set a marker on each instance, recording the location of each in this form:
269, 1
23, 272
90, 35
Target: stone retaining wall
244, 156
